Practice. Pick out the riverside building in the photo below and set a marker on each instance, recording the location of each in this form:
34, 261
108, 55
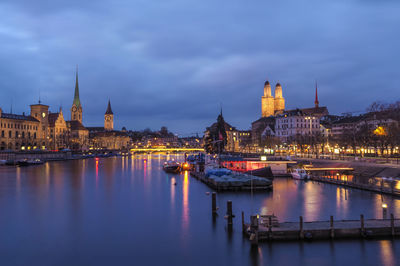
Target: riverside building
44, 130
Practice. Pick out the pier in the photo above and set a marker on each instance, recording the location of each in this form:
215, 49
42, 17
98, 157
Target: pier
380, 186
261, 230
228, 186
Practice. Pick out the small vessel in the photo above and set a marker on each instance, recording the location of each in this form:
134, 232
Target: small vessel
172, 167
27, 162
3, 162
35, 162
300, 174
10, 162
23, 162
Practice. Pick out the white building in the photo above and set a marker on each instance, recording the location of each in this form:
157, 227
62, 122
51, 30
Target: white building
296, 122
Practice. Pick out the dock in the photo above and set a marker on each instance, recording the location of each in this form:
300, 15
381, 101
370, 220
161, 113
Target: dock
389, 187
228, 186
259, 230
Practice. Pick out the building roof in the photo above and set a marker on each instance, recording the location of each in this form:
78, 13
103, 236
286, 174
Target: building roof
53, 118
95, 129
227, 126
18, 117
75, 125
267, 120
111, 133
109, 111
315, 110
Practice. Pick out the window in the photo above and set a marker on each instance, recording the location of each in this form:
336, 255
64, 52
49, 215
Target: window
9, 134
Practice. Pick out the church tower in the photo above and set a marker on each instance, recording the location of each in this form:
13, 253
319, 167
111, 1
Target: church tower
76, 109
316, 102
279, 100
109, 118
267, 101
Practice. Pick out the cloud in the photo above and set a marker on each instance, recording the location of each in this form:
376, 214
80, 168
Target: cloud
174, 62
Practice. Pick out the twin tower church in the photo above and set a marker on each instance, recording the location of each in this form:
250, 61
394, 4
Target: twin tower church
271, 105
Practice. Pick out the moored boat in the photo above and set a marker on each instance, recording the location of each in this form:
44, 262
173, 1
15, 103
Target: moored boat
299, 174
172, 167
22, 162
35, 162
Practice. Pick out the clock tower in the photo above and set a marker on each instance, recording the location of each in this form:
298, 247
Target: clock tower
41, 112
109, 118
76, 109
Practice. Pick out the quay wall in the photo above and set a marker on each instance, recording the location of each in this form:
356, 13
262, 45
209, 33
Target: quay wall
42, 155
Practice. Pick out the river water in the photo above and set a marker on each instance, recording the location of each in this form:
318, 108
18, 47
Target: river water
127, 211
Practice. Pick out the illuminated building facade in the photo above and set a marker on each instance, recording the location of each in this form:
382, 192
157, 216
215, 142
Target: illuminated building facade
58, 131
19, 132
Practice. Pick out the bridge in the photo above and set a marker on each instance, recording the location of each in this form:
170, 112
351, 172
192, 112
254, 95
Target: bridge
167, 150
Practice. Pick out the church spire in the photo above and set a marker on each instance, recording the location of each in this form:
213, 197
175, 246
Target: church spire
316, 102
109, 110
77, 101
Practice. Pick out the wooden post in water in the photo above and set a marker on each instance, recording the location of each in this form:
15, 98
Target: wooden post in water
381, 185
332, 228
214, 203
254, 229
392, 224
243, 226
301, 228
362, 229
270, 227
229, 213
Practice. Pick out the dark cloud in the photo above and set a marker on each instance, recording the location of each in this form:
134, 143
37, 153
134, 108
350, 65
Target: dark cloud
174, 62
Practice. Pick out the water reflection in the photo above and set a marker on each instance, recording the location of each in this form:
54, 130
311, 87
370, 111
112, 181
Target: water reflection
313, 199
93, 206
341, 201
185, 214
173, 185
386, 251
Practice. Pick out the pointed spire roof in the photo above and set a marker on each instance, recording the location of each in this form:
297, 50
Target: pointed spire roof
109, 110
316, 102
77, 101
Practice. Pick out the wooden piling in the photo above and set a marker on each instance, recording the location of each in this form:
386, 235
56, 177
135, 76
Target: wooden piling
332, 230
270, 227
362, 228
301, 228
243, 226
254, 229
392, 224
229, 213
214, 203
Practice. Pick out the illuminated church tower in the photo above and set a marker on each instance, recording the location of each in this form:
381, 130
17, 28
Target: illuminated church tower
76, 109
267, 101
279, 100
109, 118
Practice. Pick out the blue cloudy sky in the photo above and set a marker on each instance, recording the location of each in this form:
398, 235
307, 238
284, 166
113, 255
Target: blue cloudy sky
172, 62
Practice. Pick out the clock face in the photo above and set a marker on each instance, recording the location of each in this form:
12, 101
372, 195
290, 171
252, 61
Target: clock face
107, 118
74, 109
43, 115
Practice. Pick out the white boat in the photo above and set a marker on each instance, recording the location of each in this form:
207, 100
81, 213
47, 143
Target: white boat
300, 174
